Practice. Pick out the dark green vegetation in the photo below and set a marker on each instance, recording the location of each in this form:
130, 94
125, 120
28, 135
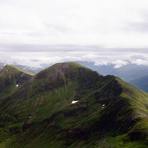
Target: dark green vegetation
109, 113
11, 78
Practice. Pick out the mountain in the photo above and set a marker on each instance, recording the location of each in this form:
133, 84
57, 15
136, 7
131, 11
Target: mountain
132, 73
68, 105
11, 78
141, 82
127, 72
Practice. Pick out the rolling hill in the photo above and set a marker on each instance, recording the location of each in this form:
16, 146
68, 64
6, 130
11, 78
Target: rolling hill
68, 105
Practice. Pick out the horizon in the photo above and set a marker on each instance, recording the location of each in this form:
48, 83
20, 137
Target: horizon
37, 56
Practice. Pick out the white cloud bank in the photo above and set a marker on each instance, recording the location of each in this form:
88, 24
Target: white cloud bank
54, 54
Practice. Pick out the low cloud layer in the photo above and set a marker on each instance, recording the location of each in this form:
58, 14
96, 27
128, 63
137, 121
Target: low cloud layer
37, 56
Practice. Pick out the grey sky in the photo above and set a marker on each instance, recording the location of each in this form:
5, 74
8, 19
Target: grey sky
108, 23
73, 30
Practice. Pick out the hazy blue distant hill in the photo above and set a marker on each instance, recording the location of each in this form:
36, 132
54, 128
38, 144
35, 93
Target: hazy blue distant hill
141, 83
132, 73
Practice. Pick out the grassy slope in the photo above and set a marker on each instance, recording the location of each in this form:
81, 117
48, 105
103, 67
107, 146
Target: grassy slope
11, 76
47, 119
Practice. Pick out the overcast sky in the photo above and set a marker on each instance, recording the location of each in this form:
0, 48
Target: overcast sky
77, 25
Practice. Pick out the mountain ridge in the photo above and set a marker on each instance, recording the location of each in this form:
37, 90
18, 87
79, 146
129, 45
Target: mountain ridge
73, 106
12, 78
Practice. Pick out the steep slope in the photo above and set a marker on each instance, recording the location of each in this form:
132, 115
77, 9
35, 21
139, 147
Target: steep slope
11, 78
68, 106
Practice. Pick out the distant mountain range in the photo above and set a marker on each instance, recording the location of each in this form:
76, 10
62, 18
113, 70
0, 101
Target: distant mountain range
141, 83
132, 73
70, 106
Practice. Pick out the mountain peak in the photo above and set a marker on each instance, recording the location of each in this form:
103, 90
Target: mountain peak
11, 78
66, 69
68, 64
9, 67
12, 69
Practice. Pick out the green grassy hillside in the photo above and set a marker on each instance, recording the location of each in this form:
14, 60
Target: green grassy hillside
69, 106
12, 78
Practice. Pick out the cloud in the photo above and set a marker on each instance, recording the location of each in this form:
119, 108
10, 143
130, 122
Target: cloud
39, 56
38, 32
79, 22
